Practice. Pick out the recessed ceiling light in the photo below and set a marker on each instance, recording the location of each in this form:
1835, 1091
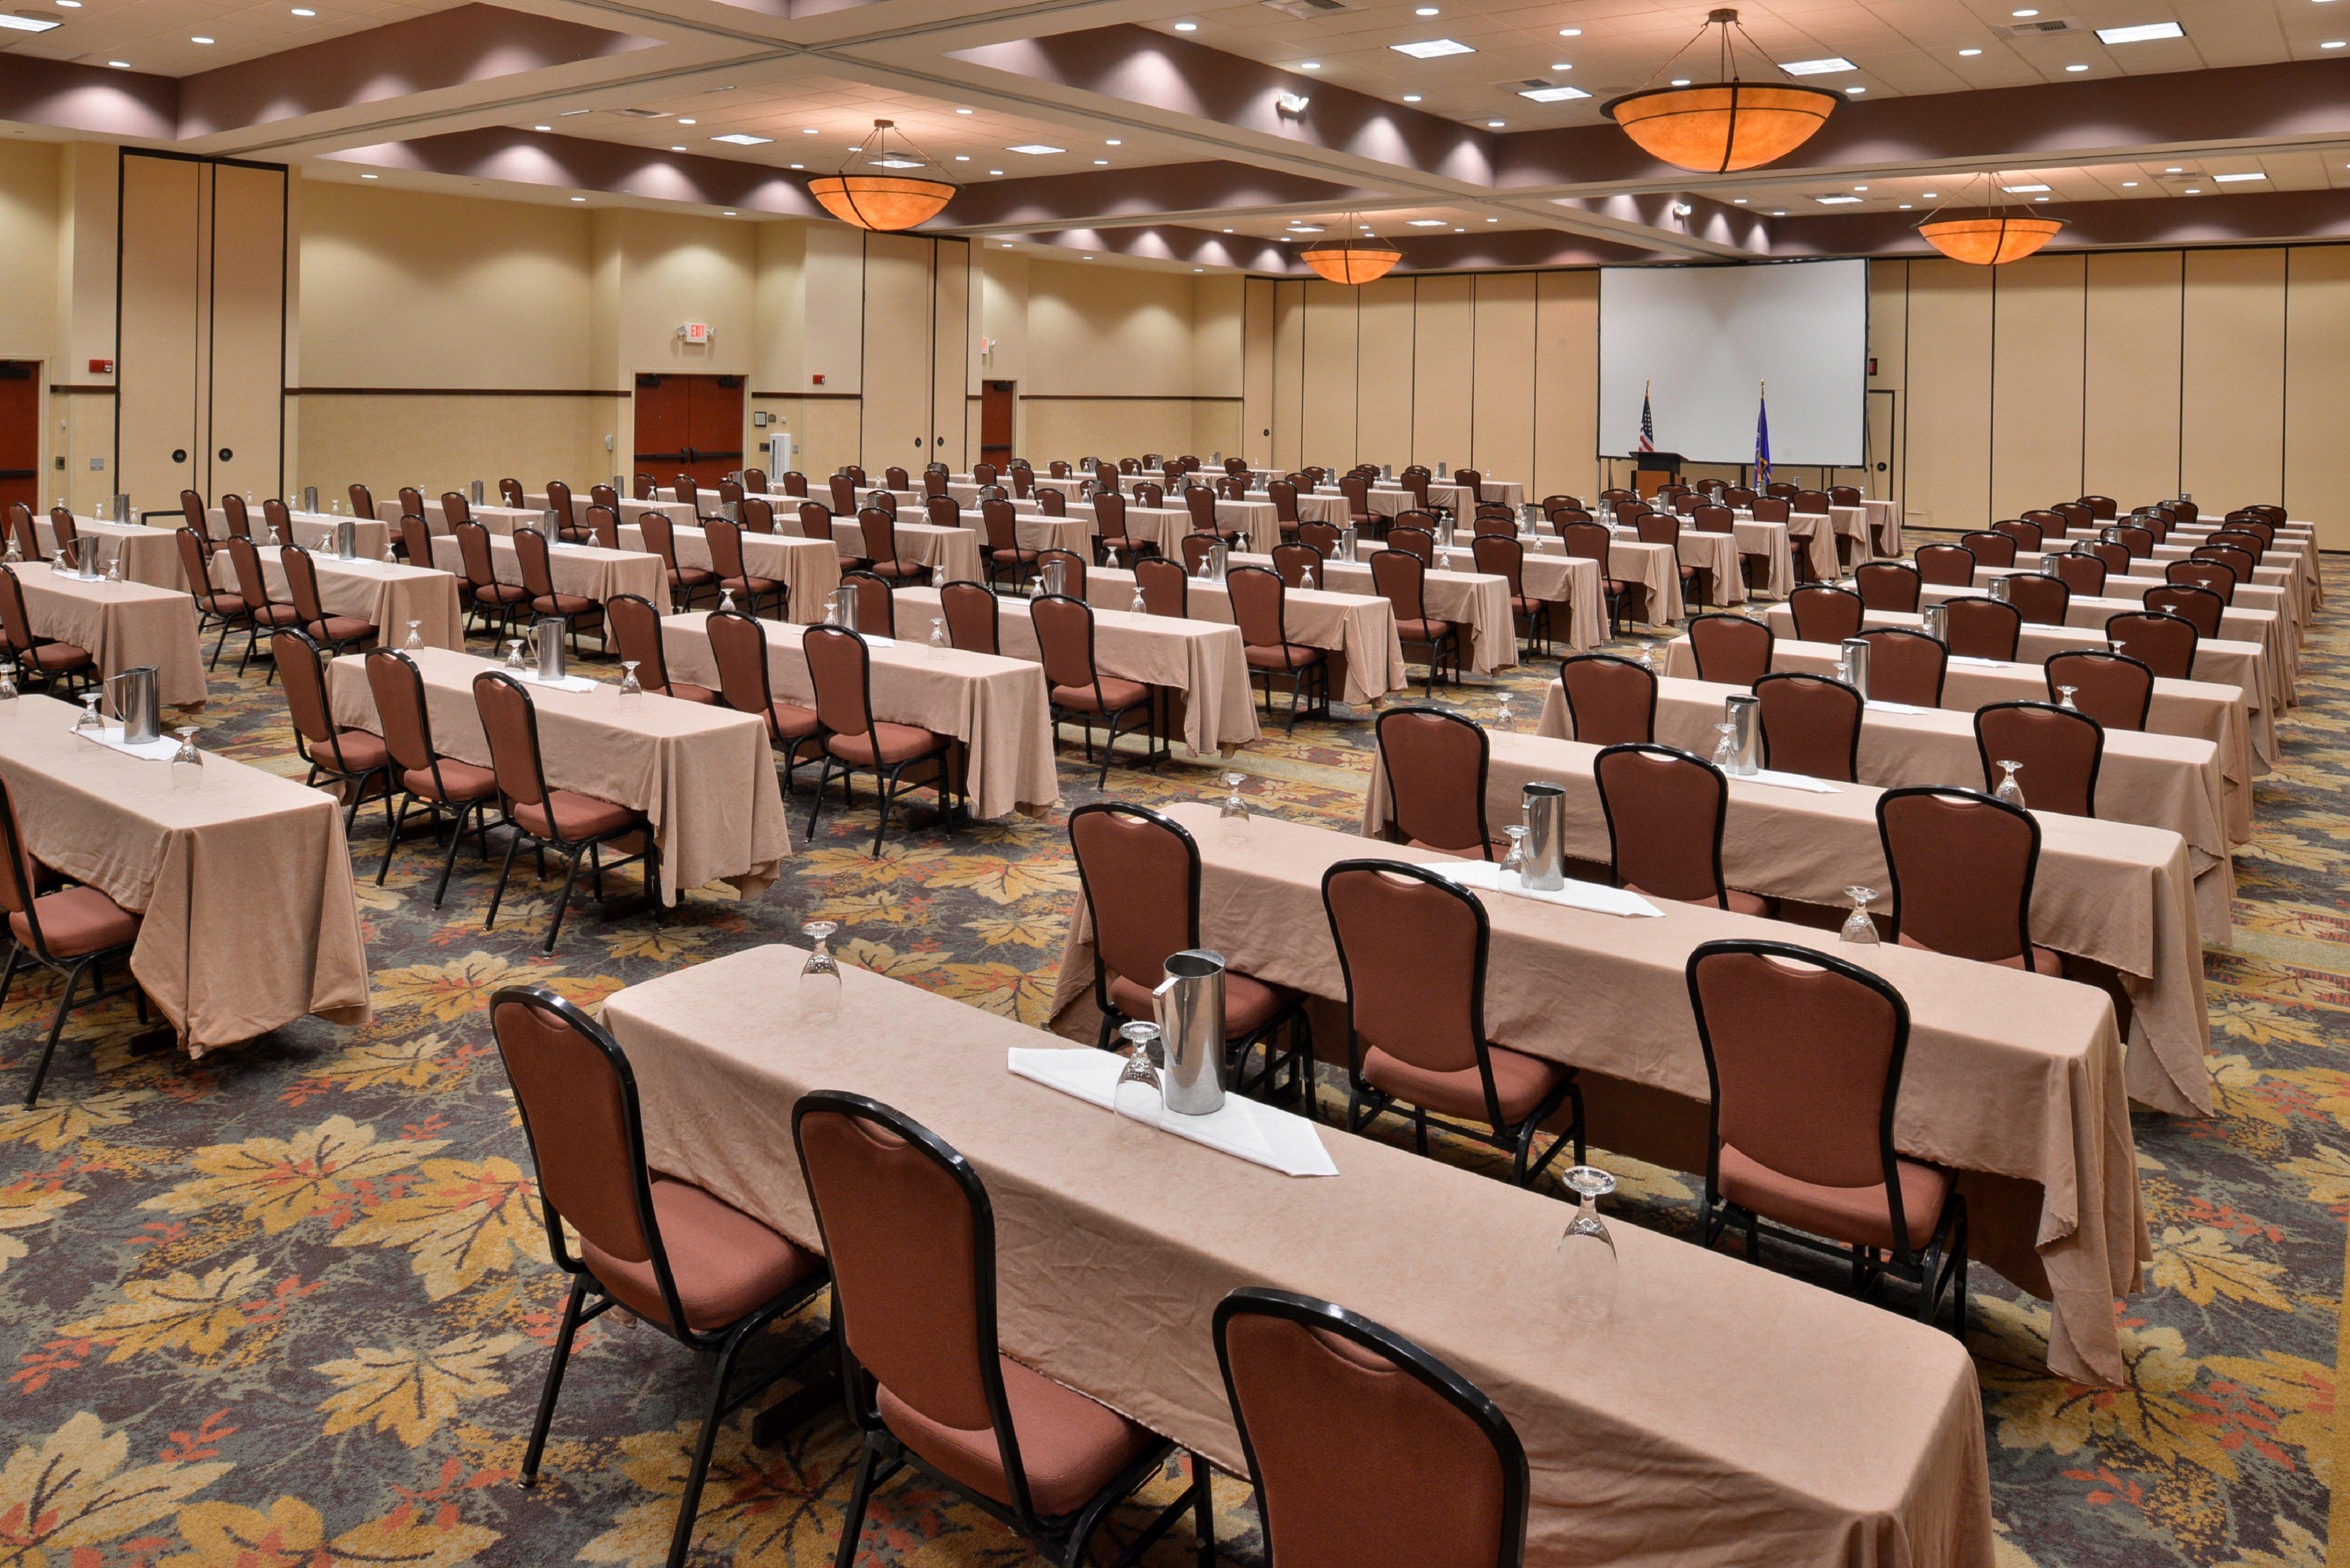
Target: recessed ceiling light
1855, 91
799, 165
1925, 196
1969, 52
76, 6
1860, 187
1459, 230
2194, 190
578, 198
893, 162
1426, 223
2021, 190
1553, 94
2140, 33
1492, 220
1425, 11
1098, 161
963, 157
1432, 48
1495, 124
119, 65
1309, 65
198, 40
2077, 67
677, 150
2023, 12
1036, 148
1906, 206
2040, 198
1836, 200
1199, 269
1570, 32
1738, 201
366, 176
1779, 212
298, 10
1089, 258
1680, 81
731, 213
1231, 231
810, 131
1187, 26
542, 128
2237, 178
568, 113
689, 122
996, 171
2330, 44
1818, 67
1412, 98
2129, 184
2174, 169
1562, 65
743, 138
1113, 141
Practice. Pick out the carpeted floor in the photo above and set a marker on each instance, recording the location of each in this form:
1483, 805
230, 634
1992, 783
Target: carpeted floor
291, 1306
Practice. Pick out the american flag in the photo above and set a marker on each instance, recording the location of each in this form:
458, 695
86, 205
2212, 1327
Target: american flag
1648, 425
1762, 442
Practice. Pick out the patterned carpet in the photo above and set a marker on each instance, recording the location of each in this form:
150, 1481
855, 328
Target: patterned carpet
291, 1306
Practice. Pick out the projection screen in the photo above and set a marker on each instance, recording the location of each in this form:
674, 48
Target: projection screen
1705, 339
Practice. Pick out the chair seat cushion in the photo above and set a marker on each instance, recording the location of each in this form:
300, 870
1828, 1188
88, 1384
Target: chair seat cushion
1281, 656
1249, 1003
576, 816
1521, 1082
571, 606
58, 658
761, 586
338, 629
1070, 1446
77, 922
897, 571
725, 1264
1856, 1216
499, 594
276, 615
461, 783
790, 720
1012, 556
2043, 962
686, 692
1425, 629
1113, 696
884, 745
224, 604
361, 753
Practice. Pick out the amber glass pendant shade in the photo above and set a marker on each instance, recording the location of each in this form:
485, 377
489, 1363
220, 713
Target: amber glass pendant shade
884, 190
1716, 128
1989, 241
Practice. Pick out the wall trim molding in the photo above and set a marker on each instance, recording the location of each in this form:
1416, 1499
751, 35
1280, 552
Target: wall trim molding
58, 388
1122, 398
836, 397
448, 392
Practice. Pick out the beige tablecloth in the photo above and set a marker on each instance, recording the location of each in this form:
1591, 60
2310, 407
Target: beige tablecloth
587, 570
1465, 598
954, 550
704, 776
387, 596
2284, 575
1837, 1435
1883, 519
2112, 892
123, 624
1203, 667
150, 555
1358, 630
679, 514
2013, 1079
245, 879
315, 531
1655, 568
809, 570
996, 707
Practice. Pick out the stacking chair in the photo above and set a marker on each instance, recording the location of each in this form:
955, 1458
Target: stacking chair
910, 1233
412, 502
816, 522
1434, 762
1982, 628
875, 600
1076, 688
1114, 540
1825, 613
1963, 866
758, 514
895, 478
1906, 667
2026, 533
2213, 576
1322, 537
510, 494
674, 1255
363, 505
235, 518
215, 606
2040, 599
1947, 565
940, 512
2191, 602
877, 528
971, 613
1403, 533
900, 756
2113, 558
1052, 502
1166, 590
637, 625
578, 612
1284, 496
347, 762
1412, 947
2051, 525
28, 538
2114, 689
738, 646
1502, 555
604, 528
491, 601
1665, 811
1585, 540
574, 825
1893, 586
2101, 507
1811, 725
2061, 750
2163, 641
420, 772
1073, 570
1610, 700
455, 508
567, 526
1774, 1016
1362, 1448
1697, 582
73, 930
2084, 573
661, 539
1989, 548
1200, 502
754, 480
2139, 541
265, 614
795, 485
1007, 558
1730, 649
1260, 607
844, 496
726, 540
335, 632
1140, 872
1400, 577
1294, 562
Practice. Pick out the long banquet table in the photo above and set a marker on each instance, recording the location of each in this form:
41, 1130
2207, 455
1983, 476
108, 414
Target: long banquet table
809, 570
385, 594
2014, 1080
1358, 630
704, 776
1835, 1434
122, 625
244, 878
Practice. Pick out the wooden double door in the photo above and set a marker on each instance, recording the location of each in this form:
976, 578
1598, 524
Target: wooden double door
690, 425
20, 432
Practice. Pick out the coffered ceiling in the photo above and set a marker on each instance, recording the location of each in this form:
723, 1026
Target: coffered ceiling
1225, 135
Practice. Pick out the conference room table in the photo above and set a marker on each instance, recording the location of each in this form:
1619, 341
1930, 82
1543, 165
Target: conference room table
1808, 537
123, 624
809, 570
2170, 782
314, 531
1884, 520
2114, 893
1198, 669
1838, 1434
1357, 631
704, 775
149, 553
679, 514
1654, 569
997, 709
2278, 572
388, 596
2202, 710
2295, 545
2218, 663
1852, 523
2013, 1080
954, 551
2280, 658
1459, 594
588, 571
1160, 524
2272, 598
242, 879
1037, 532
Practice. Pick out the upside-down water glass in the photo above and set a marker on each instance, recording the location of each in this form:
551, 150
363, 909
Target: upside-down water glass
2009, 790
1141, 1091
820, 976
630, 685
1858, 929
1587, 1252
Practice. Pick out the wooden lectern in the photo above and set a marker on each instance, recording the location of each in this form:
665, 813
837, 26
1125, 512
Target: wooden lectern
1652, 471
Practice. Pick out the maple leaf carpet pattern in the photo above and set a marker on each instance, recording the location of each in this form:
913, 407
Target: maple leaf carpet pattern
291, 1305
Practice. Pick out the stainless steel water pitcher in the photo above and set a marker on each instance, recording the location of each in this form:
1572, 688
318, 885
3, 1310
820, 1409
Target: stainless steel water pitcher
1936, 617
475, 492
135, 695
309, 498
122, 509
848, 602
1855, 650
1190, 1006
1544, 807
1744, 714
1055, 576
1346, 537
1219, 554
347, 539
547, 645
2000, 588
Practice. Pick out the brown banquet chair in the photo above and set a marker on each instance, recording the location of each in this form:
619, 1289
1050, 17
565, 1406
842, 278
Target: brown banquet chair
2114, 689
1434, 763
637, 628
2191, 602
510, 494
1823, 613
1989, 548
1400, 577
725, 542
1502, 555
1200, 502
1811, 725
738, 646
2213, 576
455, 508
363, 507
2163, 643
1666, 811
972, 616
420, 772
1260, 607
816, 522
1166, 590
2041, 599
574, 825
1906, 667
1610, 700
878, 529
660, 535
264, 614
911, 1231
671, 1254
1962, 866
336, 633
1073, 570
27, 538
1730, 649
2115, 558
492, 601
1362, 1448
2026, 533
415, 535
900, 756
73, 930
1076, 687
2082, 573
568, 524
1140, 873
1946, 565
578, 612
1292, 562
1978, 626
2061, 749
213, 605
1895, 587
349, 762
1413, 949
603, 528
1804, 1054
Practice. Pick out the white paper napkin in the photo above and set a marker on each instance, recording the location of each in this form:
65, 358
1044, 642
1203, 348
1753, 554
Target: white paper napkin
1489, 878
1803, 782
1879, 707
568, 684
1260, 1134
1972, 662
156, 751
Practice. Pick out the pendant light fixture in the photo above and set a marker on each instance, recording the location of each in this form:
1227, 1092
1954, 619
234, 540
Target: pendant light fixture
1993, 238
885, 188
1358, 257
1726, 124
